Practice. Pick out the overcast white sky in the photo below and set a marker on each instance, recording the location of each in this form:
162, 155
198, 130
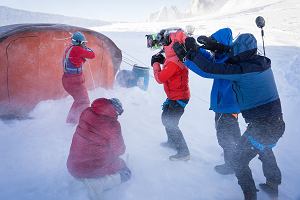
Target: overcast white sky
111, 10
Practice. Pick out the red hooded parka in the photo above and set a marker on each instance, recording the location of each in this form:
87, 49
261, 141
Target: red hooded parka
97, 142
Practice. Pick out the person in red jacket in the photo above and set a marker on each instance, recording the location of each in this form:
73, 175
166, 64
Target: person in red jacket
73, 79
174, 76
96, 146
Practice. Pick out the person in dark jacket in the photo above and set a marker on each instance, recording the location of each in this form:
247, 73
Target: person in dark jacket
174, 76
222, 101
73, 80
96, 148
258, 99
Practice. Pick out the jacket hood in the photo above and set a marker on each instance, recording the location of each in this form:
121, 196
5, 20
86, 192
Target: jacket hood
103, 106
178, 36
244, 47
223, 36
244, 42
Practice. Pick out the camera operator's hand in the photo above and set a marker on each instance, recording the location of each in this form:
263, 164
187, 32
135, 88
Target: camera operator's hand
179, 50
210, 44
190, 44
157, 58
87, 48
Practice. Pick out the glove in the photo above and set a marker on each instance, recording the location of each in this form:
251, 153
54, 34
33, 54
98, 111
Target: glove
190, 44
83, 45
88, 49
179, 50
125, 174
210, 44
157, 58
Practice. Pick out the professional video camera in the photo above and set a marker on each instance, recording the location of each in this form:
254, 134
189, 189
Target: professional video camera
157, 40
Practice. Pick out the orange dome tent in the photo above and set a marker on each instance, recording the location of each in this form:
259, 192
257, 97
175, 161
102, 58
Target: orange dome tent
31, 64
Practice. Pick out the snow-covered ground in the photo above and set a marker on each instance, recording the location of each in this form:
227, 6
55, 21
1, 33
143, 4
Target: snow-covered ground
33, 152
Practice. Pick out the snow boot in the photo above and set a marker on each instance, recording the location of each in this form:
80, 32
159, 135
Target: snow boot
168, 145
250, 195
224, 169
184, 156
270, 188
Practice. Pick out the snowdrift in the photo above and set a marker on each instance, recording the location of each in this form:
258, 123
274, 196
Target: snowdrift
31, 64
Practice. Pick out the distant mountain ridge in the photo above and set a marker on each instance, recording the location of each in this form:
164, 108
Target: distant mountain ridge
196, 7
15, 16
205, 7
166, 14
200, 7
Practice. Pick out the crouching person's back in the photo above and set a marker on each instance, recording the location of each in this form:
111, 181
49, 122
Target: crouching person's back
96, 146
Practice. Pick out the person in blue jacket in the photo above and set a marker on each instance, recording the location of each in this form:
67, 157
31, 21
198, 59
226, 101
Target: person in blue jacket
259, 102
222, 101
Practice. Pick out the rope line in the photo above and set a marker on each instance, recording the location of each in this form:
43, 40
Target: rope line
141, 62
127, 62
91, 75
128, 59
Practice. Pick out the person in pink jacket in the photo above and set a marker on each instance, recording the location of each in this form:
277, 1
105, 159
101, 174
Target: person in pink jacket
96, 148
174, 76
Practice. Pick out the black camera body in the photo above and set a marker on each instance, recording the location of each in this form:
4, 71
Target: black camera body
157, 40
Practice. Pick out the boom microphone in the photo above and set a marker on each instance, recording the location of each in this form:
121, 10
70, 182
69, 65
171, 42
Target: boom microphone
260, 23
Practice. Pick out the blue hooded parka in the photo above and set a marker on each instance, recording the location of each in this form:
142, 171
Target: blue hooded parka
251, 75
222, 97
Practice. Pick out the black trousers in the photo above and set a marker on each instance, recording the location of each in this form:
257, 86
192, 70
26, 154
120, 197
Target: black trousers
228, 134
170, 118
269, 131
